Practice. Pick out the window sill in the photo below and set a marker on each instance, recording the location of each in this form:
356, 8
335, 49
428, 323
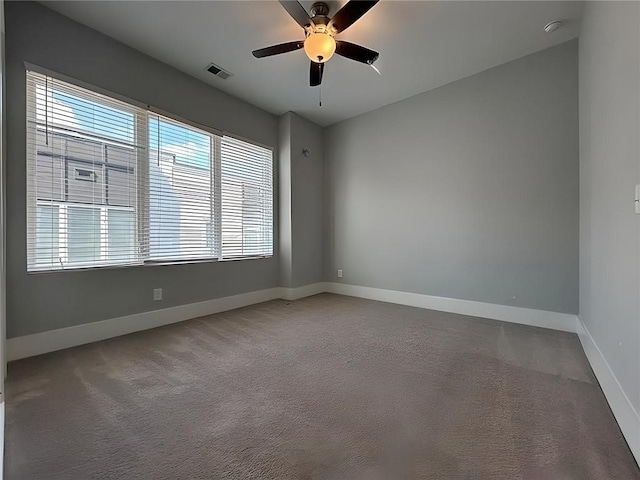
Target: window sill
158, 263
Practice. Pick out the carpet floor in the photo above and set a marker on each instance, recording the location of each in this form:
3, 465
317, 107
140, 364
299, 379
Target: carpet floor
327, 387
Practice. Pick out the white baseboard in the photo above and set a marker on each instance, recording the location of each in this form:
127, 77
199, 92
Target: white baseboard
2, 437
622, 408
305, 291
52, 340
526, 316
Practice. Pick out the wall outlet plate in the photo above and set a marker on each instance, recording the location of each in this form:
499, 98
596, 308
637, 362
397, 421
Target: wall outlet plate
339, 273
157, 294
637, 199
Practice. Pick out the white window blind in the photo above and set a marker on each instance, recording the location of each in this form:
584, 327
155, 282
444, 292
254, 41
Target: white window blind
246, 199
82, 153
114, 184
181, 193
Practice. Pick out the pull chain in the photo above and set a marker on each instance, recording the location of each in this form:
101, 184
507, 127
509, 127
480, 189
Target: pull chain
158, 141
46, 110
320, 96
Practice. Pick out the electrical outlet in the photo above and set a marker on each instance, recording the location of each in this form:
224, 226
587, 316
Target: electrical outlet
637, 199
157, 294
339, 273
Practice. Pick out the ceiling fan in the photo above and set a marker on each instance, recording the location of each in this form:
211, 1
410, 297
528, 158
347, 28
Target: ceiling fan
320, 31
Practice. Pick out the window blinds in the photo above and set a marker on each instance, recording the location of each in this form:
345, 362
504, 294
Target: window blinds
181, 195
82, 175
246, 199
109, 183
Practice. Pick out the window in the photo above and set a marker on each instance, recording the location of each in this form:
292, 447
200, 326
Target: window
82, 173
110, 183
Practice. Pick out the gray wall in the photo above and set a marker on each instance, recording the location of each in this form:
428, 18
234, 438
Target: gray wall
307, 201
42, 302
301, 208
467, 191
609, 170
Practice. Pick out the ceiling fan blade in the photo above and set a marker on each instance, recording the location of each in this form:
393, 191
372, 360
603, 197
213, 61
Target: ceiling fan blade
315, 74
297, 12
356, 52
350, 14
277, 49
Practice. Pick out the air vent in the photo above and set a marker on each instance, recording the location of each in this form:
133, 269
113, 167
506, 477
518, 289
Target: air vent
218, 72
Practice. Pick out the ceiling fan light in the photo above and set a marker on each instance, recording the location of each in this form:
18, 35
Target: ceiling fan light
319, 47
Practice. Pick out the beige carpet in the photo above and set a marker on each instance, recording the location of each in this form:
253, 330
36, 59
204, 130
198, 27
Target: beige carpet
327, 387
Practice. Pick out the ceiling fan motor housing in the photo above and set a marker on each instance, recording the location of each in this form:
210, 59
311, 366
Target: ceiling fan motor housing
320, 11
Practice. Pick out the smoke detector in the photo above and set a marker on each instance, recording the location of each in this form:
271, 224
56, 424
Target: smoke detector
552, 26
217, 71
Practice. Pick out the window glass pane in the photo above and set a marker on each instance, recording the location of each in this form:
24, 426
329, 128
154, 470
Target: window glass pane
83, 228
186, 145
72, 111
82, 159
180, 192
121, 230
47, 235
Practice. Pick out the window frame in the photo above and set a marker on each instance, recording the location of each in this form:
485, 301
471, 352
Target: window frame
141, 209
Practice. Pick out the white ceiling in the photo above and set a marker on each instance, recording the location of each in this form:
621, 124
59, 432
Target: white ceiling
422, 45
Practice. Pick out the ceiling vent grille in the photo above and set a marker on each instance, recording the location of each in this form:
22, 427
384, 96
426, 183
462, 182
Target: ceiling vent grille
217, 71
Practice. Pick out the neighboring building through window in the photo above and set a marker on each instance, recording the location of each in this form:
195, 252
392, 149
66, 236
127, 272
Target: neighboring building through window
110, 183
